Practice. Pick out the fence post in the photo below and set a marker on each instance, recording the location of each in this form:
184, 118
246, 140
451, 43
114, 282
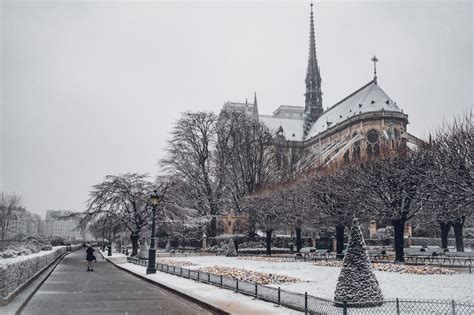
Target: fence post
189, 273
344, 308
237, 285
198, 275
221, 281
279, 296
398, 307
181, 272
306, 302
174, 269
208, 278
256, 290
454, 307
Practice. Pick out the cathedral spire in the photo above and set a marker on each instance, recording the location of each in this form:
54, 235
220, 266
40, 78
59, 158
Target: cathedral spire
255, 105
374, 60
313, 95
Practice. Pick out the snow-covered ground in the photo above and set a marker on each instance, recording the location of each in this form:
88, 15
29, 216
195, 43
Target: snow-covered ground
226, 300
321, 281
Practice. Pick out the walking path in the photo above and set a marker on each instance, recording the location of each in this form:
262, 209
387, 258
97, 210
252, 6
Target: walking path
72, 290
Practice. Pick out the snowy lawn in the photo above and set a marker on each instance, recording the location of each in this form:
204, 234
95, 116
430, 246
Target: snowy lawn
321, 281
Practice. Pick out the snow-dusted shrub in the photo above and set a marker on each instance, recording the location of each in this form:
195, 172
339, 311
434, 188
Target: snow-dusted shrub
47, 247
384, 233
357, 282
9, 253
252, 244
168, 246
231, 251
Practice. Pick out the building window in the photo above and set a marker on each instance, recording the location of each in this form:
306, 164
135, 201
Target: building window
356, 152
373, 149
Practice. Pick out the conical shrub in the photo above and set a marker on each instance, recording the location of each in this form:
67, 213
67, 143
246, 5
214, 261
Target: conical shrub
143, 252
231, 251
357, 284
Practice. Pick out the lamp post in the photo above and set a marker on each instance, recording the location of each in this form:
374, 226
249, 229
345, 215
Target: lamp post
155, 199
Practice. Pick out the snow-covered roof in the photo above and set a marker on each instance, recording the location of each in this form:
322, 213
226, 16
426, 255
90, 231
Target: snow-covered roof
289, 111
291, 126
368, 98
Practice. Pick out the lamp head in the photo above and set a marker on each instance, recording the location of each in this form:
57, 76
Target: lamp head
155, 197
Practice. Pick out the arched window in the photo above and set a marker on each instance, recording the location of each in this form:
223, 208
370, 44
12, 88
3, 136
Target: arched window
356, 151
237, 227
373, 149
220, 227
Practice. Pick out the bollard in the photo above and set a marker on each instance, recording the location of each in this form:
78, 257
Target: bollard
279, 296
470, 269
198, 275
256, 290
237, 285
209, 278
398, 307
181, 272
189, 273
221, 281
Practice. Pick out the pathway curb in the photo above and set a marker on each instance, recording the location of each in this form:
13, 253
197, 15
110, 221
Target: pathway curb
207, 305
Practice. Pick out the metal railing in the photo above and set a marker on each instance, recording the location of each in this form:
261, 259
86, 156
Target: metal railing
311, 304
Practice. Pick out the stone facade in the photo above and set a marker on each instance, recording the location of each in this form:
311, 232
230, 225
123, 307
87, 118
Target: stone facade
232, 224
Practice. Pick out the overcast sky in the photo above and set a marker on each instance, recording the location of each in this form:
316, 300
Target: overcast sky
93, 88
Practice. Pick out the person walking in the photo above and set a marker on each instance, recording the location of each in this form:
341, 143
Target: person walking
90, 257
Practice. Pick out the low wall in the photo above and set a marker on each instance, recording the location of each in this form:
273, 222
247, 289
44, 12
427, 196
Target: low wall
16, 271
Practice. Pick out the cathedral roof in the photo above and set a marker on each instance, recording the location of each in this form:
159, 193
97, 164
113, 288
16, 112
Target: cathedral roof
369, 98
292, 127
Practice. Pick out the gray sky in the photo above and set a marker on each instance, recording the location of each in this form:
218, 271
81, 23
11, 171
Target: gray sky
93, 88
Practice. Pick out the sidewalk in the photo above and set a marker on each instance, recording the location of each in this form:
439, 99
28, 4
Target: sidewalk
226, 300
72, 290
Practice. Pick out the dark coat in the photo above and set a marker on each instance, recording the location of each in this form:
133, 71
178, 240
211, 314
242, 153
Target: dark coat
90, 254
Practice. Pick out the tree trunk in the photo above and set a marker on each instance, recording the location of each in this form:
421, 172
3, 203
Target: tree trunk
298, 239
269, 242
399, 228
445, 227
134, 236
212, 228
339, 241
251, 230
458, 226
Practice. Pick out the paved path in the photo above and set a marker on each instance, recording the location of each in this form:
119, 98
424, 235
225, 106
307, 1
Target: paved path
72, 290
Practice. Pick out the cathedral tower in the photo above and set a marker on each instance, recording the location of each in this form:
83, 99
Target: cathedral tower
313, 96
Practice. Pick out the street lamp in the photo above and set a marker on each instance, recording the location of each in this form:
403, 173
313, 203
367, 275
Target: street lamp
155, 199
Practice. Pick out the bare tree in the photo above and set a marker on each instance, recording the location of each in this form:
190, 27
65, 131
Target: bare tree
451, 177
395, 188
265, 211
10, 210
125, 198
246, 153
333, 199
190, 159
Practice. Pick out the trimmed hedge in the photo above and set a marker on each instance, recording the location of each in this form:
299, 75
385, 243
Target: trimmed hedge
15, 272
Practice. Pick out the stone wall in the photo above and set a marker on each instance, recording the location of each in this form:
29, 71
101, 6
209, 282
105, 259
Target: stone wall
16, 271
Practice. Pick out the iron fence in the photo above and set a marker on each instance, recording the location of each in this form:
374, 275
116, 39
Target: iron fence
312, 304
